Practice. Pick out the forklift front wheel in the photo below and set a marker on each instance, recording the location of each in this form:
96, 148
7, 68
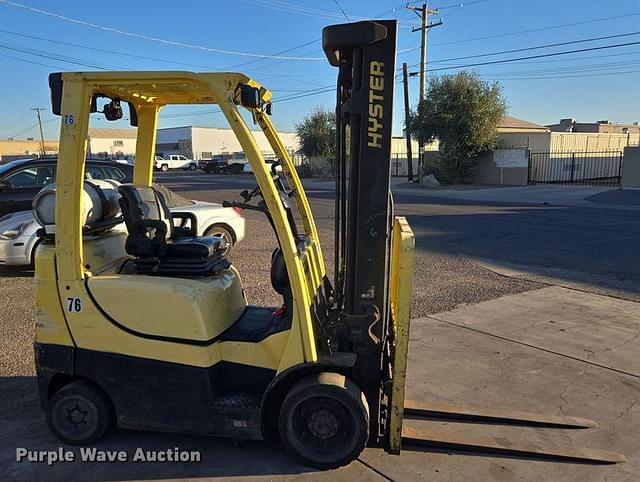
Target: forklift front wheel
78, 413
324, 421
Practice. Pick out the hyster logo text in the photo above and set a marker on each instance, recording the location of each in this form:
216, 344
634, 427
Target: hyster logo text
376, 98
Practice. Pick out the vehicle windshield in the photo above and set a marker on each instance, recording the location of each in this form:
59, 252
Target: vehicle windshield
9, 165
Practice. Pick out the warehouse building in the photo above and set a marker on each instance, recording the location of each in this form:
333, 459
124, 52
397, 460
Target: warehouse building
600, 127
112, 143
205, 142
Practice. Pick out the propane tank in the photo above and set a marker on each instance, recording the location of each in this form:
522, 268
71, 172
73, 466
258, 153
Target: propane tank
99, 204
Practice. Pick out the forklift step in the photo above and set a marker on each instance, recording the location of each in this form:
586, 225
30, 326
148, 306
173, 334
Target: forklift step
434, 439
237, 415
445, 411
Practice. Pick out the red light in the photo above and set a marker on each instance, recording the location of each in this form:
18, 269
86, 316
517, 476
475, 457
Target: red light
237, 211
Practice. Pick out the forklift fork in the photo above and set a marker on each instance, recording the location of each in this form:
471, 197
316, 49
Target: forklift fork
405, 433
430, 437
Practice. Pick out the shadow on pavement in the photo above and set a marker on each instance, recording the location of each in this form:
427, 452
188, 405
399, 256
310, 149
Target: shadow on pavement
23, 424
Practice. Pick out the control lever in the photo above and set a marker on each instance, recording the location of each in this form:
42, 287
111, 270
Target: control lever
247, 196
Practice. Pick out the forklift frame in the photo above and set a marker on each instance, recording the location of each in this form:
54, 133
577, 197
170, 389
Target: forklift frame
146, 93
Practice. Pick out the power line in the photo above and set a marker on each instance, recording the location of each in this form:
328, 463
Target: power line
107, 51
381, 14
297, 9
555, 77
148, 37
342, 10
49, 66
30, 128
52, 56
277, 53
537, 47
540, 29
517, 59
459, 4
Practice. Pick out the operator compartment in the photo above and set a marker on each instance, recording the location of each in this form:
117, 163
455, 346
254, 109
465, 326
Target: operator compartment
145, 274
176, 284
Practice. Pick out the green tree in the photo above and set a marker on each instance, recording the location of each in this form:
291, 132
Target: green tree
317, 133
462, 111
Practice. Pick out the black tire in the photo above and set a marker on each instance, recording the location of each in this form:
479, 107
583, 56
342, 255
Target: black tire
236, 169
164, 168
32, 256
192, 167
324, 421
226, 233
79, 413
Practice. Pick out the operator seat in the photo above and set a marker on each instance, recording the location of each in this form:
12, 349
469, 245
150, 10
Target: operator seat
158, 246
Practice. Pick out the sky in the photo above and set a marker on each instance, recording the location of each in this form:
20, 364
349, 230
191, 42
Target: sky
277, 42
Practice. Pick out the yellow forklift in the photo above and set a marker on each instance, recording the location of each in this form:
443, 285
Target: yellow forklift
149, 328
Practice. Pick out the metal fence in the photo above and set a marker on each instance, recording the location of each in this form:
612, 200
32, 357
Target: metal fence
597, 168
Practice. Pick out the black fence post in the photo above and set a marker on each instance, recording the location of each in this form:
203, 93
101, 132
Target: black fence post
620, 161
573, 165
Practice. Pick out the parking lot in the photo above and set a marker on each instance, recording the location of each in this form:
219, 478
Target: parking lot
474, 259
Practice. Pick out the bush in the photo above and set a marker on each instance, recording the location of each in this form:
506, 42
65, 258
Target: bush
462, 112
317, 133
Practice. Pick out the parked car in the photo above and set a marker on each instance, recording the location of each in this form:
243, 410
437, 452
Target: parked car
223, 164
175, 161
21, 180
18, 238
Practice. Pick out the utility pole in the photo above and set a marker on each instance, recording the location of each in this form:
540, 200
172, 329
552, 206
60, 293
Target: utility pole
423, 29
407, 119
43, 153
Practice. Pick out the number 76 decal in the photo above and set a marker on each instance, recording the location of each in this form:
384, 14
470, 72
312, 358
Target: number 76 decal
74, 305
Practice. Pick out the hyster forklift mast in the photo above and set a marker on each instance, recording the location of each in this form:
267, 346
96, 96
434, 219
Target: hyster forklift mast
364, 53
374, 264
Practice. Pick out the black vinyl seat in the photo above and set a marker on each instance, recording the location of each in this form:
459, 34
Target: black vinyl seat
160, 247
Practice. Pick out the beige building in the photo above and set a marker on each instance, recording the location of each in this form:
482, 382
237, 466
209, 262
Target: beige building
599, 127
516, 133
205, 142
112, 143
18, 149
596, 137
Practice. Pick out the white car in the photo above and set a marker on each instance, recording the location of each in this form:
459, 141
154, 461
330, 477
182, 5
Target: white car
175, 161
18, 238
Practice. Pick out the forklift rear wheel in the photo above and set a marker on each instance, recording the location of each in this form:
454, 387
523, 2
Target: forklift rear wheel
324, 421
78, 413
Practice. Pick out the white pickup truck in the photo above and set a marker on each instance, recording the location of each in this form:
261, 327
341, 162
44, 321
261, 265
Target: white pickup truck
175, 161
